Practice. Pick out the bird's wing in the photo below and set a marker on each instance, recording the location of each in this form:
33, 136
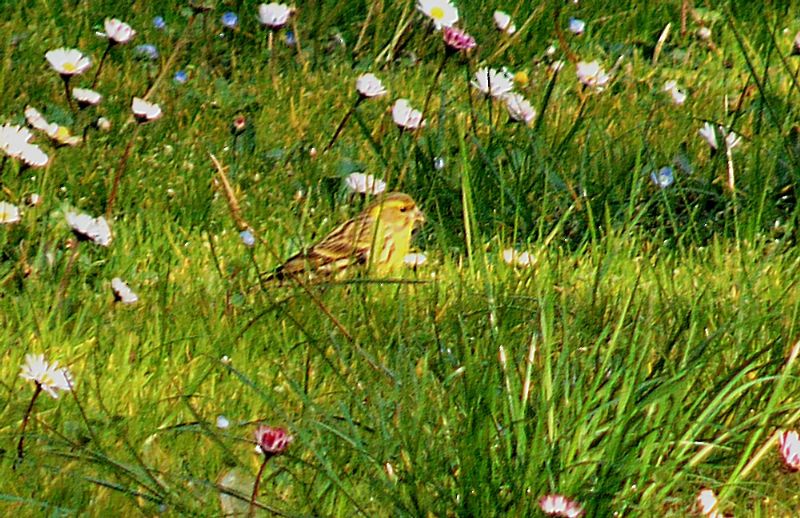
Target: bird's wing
347, 244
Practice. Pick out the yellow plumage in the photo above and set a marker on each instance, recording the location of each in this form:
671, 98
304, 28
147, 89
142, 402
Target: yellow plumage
384, 227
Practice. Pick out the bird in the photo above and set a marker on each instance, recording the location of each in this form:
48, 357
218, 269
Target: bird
384, 227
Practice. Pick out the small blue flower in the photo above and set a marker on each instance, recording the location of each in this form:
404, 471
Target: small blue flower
230, 20
576, 26
247, 238
180, 77
663, 178
290, 39
147, 50
159, 23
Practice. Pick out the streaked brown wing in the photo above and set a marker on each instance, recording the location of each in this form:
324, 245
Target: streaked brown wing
347, 244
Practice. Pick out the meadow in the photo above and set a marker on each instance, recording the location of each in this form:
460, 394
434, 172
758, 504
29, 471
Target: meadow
606, 309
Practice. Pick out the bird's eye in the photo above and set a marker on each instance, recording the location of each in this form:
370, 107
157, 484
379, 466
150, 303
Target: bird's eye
403, 209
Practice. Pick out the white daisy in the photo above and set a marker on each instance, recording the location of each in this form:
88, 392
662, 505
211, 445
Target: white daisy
415, 259
35, 119
707, 504
274, 15
405, 116
514, 258
368, 85
68, 62
441, 12
709, 133
9, 213
502, 21
364, 183
559, 505
117, 31
592, 74
678, 95
88, 228
519, 108
14, 142
59, 134
145, 111
86, 97
493, 82
49, 377
122, 292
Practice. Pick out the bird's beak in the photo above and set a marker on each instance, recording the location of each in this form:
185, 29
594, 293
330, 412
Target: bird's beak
419, 217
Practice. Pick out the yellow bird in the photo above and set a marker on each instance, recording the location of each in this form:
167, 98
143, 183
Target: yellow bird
385, 227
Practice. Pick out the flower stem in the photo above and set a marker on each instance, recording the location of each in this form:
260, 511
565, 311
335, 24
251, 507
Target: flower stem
25, 419
434, 83
67, 93
341, 124
118, 174
102, 62
297, 43
62, 287
252, 509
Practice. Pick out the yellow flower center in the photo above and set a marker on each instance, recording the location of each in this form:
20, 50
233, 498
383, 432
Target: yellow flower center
437, 13
4, 216
62, 133
69, 67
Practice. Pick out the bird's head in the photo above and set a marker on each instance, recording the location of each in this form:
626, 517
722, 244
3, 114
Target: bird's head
397, 207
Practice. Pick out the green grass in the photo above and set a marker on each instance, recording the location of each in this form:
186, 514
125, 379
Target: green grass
644, 354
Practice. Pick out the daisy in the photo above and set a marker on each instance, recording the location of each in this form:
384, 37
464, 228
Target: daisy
68, 62
796, 45
559, 505
514, 258
415, 259
493, 82
592, 74
59, 134
789, 444
441, 12
87, 228
405, 116
103, 124
14, 141
519, 109
122, 292
707, 504
222, 422
364, 184
86, 97
368, 85
678, 95
708, 132
502, 21
272, 441
49, 377
704, 33
118, 32
9, 213
145, 111
457, 40
274, 15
